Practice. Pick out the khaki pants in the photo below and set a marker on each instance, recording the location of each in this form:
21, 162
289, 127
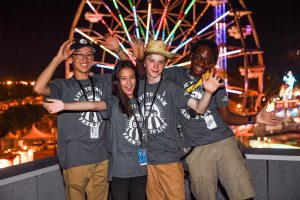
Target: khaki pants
165, 181
221, 160
87, 179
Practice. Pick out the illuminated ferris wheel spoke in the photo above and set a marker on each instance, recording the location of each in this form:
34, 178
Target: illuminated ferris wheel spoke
100, 17
180, 20
122, 20
94, 41
201, 31
170, 42
162, 19
164, 30
111, 13
195, 23
148, 21
136, 23
182, 9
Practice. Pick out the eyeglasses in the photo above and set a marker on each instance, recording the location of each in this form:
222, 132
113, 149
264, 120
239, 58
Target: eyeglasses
206, 61
81, 56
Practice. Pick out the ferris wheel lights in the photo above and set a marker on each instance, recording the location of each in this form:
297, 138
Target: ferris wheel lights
148, 21
181, 64
136, 22
93, 18
189, 7
91, 6
161, 20
99, 16
234, 32
216, 2
213, 23
122, 21
95, 42
230, 53
234, 91
179, 22
104, 66
173, 31
201, 31
240, 13
115, 4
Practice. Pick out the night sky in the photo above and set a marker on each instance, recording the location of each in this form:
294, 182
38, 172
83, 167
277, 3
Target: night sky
32, 31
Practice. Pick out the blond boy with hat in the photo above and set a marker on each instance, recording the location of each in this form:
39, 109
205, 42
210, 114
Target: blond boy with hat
160, 99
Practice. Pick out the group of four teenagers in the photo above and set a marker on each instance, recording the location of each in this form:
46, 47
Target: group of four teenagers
141, 138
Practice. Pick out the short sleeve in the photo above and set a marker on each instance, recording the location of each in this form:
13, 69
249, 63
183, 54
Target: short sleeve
55, 89
180, 96
106, 80
111, 103
221, 98
171, 73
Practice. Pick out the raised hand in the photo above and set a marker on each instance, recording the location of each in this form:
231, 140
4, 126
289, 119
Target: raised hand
138, 48
213, 82
64, 51
111, 42
269, 118
54, 105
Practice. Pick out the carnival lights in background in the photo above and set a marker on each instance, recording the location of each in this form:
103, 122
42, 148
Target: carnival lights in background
100, 17
166, 25
220, 38
200, 32
94, 41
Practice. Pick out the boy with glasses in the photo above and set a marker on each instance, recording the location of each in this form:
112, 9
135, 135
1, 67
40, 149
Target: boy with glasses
82, 136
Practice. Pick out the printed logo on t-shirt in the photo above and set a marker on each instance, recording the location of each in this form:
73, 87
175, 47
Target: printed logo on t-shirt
91, 119
225, 98
155, 118
131, 133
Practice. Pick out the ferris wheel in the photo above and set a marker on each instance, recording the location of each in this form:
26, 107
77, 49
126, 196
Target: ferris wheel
179, 23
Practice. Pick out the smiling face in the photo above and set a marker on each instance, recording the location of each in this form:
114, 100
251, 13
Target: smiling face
127, 81
82, 60
154, 64
201, 60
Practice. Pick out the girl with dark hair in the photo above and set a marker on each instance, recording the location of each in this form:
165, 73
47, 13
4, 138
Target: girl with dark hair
127, 165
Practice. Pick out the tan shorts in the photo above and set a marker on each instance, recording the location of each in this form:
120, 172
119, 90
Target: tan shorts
165, 181
87, 179
221, 160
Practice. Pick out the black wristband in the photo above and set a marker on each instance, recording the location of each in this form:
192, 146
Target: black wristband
250, 119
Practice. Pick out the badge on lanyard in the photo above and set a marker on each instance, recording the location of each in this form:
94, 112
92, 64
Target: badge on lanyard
210, 122
142, 156
94, 132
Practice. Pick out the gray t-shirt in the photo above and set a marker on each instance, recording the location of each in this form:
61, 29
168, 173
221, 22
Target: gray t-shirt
201, 129
81, 135
163, 140
125, 141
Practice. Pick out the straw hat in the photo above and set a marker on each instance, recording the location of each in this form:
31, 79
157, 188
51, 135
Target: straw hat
158, 47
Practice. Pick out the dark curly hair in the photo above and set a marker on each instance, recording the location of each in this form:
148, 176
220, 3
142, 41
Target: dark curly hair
208, 43
124, 101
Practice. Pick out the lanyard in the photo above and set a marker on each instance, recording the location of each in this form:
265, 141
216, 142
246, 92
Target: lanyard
194, 84
146, 113
82, 89
139, 126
